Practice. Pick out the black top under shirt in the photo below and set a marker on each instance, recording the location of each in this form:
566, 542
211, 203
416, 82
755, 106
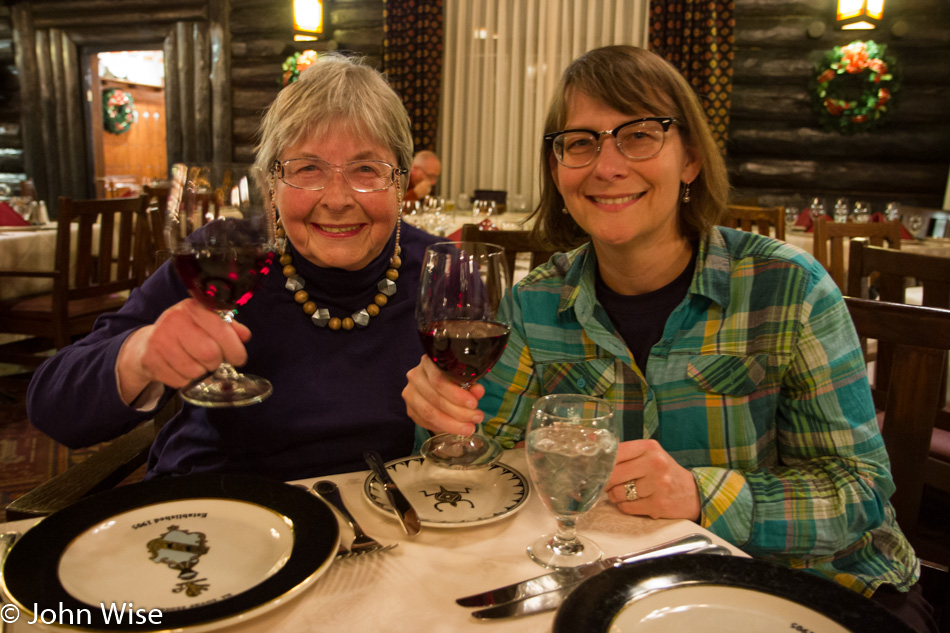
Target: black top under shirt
640, 319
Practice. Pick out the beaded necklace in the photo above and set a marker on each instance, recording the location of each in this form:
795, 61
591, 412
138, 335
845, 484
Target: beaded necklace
321, 316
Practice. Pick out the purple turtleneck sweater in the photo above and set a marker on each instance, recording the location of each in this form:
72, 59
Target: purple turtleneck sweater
336, 393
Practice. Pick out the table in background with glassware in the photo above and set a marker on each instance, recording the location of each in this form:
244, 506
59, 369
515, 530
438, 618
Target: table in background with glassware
414, 586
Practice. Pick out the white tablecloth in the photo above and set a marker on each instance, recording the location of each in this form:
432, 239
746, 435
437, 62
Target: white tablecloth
413, 587
26, 248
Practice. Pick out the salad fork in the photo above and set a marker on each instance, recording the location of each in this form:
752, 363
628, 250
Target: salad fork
362, 542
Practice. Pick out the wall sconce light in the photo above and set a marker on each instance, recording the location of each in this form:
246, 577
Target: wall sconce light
308, 20
859, 14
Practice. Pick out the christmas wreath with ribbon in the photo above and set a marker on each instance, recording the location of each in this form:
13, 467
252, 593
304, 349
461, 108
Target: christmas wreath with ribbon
854, 86
117, 110
296, 64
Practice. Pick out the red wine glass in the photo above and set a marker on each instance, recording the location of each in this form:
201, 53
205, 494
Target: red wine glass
221, 232
464, 332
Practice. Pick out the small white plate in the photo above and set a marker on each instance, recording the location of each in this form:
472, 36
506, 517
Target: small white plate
446, 498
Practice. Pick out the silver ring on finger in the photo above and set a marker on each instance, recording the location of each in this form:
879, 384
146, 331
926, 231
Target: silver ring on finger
631, 490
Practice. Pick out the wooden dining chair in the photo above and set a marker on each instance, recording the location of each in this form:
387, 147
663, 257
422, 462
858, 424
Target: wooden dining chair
101, 254
769, 221
113, 463
921, 337
896, 270
830, 239
514, 243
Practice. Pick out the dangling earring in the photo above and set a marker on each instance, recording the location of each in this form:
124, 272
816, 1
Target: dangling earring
686, 193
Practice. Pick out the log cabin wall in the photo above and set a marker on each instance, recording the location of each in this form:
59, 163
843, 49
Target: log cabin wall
777, 152
213, 100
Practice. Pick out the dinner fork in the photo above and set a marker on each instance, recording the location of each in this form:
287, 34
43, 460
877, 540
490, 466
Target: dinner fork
362, 542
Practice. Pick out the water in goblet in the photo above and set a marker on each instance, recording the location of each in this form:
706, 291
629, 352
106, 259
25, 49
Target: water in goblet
570, 460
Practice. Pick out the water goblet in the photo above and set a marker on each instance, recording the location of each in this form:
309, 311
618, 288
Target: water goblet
464, 331
571, 443
222, 237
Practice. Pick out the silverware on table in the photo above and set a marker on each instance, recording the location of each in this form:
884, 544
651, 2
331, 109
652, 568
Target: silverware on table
362, 542
401, 507
546, 592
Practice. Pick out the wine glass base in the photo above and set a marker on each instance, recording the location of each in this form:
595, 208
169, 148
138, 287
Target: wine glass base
544, 551
240, 391
459, 452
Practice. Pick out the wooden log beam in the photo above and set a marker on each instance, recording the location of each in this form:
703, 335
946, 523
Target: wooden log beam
204, 150
24, 43
173, 129
914, 143
834, 174
221, 79
125, 17
186, 93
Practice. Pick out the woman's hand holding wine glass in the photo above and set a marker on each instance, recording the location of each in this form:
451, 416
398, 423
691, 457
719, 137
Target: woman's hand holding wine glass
221, 232
463, 332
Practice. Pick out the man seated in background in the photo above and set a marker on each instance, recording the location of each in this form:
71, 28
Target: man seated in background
426, 168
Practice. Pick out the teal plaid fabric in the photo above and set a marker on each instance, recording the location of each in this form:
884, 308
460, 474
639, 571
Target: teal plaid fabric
758, 385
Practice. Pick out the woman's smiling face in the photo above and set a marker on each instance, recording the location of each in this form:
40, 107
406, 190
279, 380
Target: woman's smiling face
337, 227
618, 201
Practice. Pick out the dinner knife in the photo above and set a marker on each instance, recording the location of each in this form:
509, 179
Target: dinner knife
572, 575
403, 509
551, 600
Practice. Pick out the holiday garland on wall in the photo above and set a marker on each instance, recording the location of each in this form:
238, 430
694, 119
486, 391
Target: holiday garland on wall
296, 64
117, 110
854, 86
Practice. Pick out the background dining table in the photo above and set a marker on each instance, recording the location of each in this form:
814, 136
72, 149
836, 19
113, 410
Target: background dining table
413, 587
26, 248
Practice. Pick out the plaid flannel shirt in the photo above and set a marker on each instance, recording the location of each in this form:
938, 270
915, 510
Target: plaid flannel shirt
758, 385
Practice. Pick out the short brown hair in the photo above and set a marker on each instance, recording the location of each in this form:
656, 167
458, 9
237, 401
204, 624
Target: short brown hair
634, 81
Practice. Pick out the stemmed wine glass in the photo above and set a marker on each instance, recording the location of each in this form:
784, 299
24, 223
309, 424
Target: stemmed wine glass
221, 234
571, 443
463, 331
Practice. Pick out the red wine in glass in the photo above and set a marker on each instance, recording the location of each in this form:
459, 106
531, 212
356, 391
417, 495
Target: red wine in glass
464, 331
465, 350
221, 232
223, 278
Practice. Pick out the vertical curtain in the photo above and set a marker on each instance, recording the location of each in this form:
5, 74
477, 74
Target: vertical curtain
503, 59
412, 59
697, 37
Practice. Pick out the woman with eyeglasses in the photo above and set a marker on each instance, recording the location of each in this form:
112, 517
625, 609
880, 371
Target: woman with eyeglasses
730, 357
332, 327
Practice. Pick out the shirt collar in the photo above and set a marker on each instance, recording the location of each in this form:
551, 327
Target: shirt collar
711, 278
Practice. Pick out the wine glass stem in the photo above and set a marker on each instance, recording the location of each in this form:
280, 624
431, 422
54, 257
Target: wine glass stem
565, 542
226, 373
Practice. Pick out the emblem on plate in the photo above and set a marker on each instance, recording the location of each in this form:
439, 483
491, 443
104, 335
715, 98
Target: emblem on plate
451, 497
181, 550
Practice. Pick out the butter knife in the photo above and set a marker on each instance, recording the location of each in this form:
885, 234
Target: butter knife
403, 509
551, 600
571, 576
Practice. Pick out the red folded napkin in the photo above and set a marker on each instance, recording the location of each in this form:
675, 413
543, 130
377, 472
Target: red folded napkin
9, 217
880, 217
811, 228
484, 225
803, 219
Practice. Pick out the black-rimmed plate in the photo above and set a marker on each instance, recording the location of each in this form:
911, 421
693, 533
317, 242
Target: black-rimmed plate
718, 594
196, 552
447, 498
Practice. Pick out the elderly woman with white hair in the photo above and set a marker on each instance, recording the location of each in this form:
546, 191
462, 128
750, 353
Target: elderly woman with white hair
338, 147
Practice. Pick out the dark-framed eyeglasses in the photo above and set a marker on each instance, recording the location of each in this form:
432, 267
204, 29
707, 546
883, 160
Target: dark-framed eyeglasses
637, 140
364, 176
